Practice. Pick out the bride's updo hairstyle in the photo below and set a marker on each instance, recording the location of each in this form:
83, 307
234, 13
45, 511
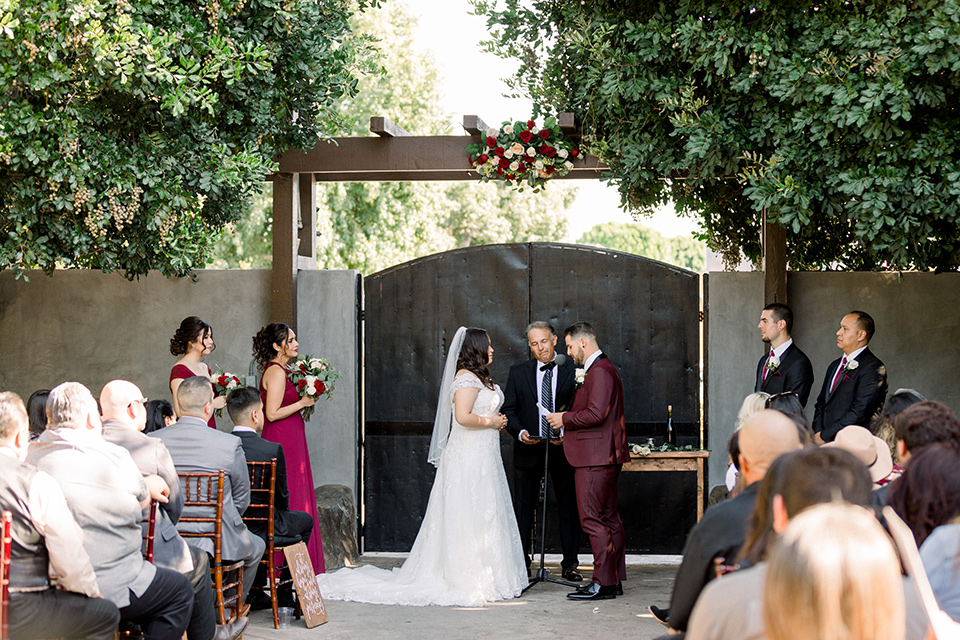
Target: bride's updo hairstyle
263, 349
474, 355
190, 330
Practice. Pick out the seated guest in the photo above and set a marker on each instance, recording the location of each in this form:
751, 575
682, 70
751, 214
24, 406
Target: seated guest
834, 575
750, 405
732, 608
246, 412
106, 494
37, 412
882, 423
44, 534
763, 437
124, 416
159, 415
869, 449
789, 405
196, 448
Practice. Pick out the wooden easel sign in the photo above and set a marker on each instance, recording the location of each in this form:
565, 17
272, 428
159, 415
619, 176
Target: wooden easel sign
305, 582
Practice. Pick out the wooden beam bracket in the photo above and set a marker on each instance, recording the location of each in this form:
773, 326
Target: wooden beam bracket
385, 128
475, 126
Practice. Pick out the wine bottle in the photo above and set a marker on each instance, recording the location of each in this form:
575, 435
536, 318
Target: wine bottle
671, 436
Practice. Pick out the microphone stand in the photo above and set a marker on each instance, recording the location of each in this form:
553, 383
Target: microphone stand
543, 574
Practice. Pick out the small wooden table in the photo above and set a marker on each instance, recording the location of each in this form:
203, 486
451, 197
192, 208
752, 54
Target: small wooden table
673, 461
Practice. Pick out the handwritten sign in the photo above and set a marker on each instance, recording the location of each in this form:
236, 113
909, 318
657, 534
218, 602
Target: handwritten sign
305, 582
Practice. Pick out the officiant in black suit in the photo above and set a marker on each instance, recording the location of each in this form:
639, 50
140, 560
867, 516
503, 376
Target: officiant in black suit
784, 367
541, 379
855, 385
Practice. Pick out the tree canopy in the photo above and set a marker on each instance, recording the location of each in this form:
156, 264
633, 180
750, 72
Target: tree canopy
842, 119
680, 251
132, 132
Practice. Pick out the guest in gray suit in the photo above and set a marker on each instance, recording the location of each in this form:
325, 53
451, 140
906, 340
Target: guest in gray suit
196, 448
106, 494
122, 407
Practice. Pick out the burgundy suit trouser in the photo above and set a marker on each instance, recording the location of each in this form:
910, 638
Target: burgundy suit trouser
600, 520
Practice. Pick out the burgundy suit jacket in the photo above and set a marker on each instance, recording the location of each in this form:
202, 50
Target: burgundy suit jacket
594, 431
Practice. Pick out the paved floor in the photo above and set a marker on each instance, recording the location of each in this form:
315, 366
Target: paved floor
542, 611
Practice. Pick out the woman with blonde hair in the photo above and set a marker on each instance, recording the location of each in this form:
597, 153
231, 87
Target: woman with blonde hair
751, 404
834, 575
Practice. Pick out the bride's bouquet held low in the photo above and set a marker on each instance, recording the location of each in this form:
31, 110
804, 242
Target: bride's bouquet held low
313, 377
522, 153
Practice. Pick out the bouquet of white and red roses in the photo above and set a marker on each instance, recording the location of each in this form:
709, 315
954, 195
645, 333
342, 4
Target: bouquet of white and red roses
313, 377
224, 383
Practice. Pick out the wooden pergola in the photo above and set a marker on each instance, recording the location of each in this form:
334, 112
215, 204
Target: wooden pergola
393, 155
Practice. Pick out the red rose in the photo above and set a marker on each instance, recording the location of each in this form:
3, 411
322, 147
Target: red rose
550, 152
222, 381
544, 134
320, 388
574, 152
522, 168
482, 158
531, 124
526, 136
301, 385
504, 163
498, 151
491, 141
548, 169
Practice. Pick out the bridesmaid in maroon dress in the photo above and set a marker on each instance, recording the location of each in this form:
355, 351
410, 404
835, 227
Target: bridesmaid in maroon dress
273, 347
192, 341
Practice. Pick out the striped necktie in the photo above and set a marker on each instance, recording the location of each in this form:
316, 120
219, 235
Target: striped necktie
546, 398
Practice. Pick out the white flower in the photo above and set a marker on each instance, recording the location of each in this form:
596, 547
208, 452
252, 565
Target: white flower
311, 380
562, 153
508, 154
644, 450
580, 375
773, 363
508, 129
535, 130
568, 165
538, 165
492, 133
514, 165
517, 148
543, 173
310, 390
853, 364
531, 151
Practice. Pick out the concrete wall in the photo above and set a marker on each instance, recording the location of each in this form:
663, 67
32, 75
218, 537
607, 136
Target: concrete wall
916, 317
93, 328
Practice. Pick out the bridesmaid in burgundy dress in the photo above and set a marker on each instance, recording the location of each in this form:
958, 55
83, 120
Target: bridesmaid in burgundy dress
192, 341
273, 347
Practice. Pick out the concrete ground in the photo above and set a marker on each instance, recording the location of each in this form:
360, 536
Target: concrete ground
542, 611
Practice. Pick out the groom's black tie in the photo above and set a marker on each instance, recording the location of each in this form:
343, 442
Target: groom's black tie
546, 397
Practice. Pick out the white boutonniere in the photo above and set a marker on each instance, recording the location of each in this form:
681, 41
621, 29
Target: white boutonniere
580, 375
773, 363
853, 364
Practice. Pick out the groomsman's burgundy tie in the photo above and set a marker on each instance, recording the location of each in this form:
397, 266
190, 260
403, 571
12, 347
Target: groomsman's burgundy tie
766, 367
836, 378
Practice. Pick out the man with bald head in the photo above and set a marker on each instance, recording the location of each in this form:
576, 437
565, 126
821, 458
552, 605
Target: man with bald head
721, 532
196, 448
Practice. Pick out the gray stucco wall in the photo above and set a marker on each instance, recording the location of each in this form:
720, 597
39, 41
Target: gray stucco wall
93, 328
916, 316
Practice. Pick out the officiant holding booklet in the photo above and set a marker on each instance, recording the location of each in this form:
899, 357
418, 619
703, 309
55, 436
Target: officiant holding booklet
535, 388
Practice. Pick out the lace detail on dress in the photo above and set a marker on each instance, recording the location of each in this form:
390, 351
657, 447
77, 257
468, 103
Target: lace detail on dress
465, 381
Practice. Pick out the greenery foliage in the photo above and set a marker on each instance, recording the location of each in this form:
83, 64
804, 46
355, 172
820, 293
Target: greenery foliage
132, 132
681, 251
842, 119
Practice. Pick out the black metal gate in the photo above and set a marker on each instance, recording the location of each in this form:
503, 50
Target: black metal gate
647, 317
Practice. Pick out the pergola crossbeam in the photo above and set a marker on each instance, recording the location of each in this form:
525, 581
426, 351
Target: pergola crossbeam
385, 128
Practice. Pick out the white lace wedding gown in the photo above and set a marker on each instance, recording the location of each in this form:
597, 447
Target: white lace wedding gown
468, 549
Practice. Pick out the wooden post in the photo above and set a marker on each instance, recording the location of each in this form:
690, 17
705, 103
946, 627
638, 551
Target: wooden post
774, 262
307, 235
283, 297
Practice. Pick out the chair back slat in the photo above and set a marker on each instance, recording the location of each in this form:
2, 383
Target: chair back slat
263, 481
149, 535
204, 490
5, 538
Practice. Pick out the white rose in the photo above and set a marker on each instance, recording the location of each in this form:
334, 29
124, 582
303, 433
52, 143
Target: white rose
853, 364
508, 129
311, 380
311, 390
492, 133
517, 148
773, 363
568, 165
538, 164
514, 165
508, 154
535, 130
531, 151
580, 375
562, 153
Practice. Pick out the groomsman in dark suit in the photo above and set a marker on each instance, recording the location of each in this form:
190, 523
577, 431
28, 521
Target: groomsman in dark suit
595, 441
534, 383
784, 367
855, 385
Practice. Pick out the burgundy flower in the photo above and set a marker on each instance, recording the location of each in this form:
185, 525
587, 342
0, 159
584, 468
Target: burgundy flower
504, 163
531, 124
550, 152
521, 168
491, 141
483, 158
320, 388
544, 134
574, 152
498, 151
543, 149
526, 136
301, 385
548, 169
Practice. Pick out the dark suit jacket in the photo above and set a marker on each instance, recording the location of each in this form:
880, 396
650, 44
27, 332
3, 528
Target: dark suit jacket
520, 406
256, 449
795, 373
151, 457
857, 397
196, 448
594, 430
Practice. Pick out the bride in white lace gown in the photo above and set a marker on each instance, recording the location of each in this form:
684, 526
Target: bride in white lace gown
468, 549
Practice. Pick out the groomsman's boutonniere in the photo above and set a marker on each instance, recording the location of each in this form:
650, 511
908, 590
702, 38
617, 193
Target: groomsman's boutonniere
853, 364
579, 376
773, 363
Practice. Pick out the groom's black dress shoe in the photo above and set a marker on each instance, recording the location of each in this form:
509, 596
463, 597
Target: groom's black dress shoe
571, 574
586, 587
594, 591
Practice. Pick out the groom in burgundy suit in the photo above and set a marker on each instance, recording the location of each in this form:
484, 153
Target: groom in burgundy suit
595, 443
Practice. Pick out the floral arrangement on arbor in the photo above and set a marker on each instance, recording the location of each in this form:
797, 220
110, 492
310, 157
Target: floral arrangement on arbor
313, 377
524, 154
224, 383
